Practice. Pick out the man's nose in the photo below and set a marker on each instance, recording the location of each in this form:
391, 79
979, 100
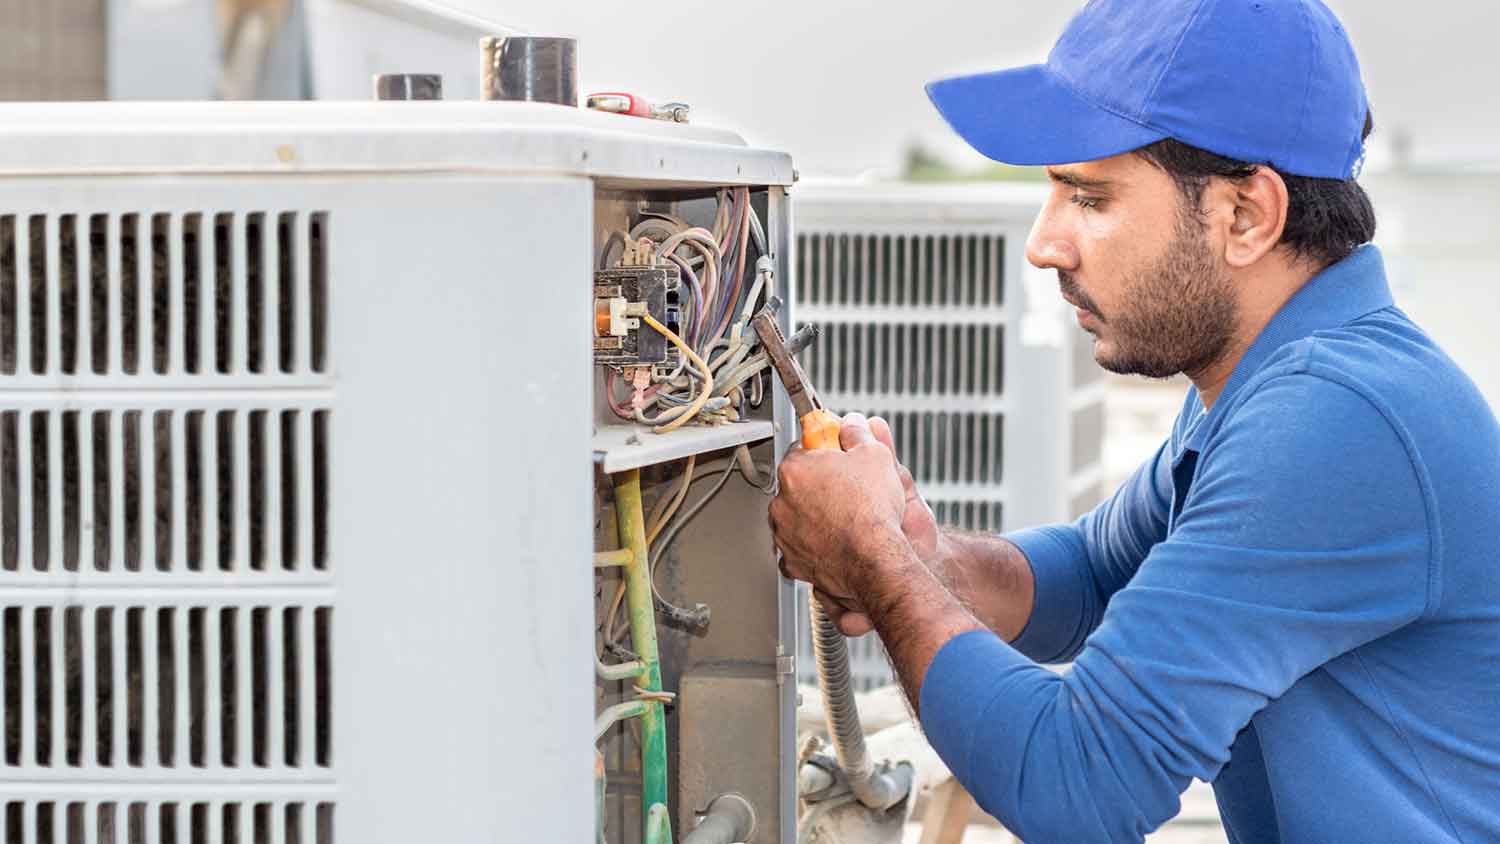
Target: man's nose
1048, 247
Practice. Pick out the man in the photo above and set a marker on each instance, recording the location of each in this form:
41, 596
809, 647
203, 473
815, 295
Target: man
1298, 598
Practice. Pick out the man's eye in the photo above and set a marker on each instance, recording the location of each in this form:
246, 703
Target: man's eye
1084, 201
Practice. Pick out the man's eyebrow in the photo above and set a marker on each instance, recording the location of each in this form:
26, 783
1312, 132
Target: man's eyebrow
1073, 180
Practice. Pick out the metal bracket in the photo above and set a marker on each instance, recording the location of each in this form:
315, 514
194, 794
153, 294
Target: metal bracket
785, 665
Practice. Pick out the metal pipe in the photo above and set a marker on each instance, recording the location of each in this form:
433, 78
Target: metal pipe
730, 818
877, 789
408, 86
658, 825
529, 69
631, 522
606, 559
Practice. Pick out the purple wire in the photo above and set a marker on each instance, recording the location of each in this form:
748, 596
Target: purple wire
730, 282
696, 291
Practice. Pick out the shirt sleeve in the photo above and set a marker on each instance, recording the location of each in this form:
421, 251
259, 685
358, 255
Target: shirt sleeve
1297, 543
1078, 567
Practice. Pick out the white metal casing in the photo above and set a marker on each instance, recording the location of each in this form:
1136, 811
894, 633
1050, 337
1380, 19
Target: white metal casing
434, 364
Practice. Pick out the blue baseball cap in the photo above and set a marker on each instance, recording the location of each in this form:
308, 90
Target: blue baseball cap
1264, 81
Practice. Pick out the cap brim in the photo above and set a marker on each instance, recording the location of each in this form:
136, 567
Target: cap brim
1028, 116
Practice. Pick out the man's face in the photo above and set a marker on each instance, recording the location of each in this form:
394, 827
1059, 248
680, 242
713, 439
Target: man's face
1135, 259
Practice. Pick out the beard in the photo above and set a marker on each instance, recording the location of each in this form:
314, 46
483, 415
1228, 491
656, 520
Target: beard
1176, 315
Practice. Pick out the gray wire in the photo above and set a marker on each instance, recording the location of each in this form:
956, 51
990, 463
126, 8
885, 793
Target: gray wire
666, 539
757, 233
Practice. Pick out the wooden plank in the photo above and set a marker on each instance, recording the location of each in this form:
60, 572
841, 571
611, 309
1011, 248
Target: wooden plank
948, 813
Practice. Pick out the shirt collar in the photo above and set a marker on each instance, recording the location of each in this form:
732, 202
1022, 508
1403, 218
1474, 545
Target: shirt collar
1342, 292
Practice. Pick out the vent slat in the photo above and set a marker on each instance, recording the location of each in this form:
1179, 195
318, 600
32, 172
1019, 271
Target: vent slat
84, 443
243, 649
307, 697
153, 821
27, 670
113, 296
302, 336
177, 315
116, 437
52, 278
119, 689
28, 827
241, 421
305, 499
89, 815
996, 278
89, 699
273, 541
146, 457
239, 312
275, 696
57, 718
208, 295
208, 462
278, 822
7, 681
213, 694
145, 274
55, 552
270, 320
83, 291
182, 709
947, 286
177, 425
24, 302
962, 287
246, 816
151, 693
25, 532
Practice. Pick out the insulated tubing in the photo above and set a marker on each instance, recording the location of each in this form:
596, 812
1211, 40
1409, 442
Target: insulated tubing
831, 652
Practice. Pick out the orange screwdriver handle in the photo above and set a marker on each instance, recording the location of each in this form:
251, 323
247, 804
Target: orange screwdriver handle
820, 429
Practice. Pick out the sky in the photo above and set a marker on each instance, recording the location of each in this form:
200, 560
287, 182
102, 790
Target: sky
838, 83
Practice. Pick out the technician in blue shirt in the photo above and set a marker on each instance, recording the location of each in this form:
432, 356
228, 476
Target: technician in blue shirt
1298, 598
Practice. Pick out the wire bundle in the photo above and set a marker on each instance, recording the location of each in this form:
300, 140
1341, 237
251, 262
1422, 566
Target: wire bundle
666, 521
718, 371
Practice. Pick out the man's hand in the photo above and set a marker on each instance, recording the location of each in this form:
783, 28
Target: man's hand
917, 521
838, 522
918, 525
835, 509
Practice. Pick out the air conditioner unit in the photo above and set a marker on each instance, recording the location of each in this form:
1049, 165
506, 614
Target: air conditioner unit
932, 317
309, 503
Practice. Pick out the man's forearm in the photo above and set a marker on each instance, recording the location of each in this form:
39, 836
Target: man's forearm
989, 576
912, 611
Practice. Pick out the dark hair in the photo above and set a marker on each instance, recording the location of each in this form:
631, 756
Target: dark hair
1326, 218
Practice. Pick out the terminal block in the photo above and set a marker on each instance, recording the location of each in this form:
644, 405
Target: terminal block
623, 340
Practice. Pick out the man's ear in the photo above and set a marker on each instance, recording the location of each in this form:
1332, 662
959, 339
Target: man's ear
1257, 208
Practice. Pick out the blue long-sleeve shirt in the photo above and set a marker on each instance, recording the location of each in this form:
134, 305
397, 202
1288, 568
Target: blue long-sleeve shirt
1297, 599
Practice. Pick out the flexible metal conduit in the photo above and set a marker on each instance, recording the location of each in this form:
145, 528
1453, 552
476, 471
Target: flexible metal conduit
877, 790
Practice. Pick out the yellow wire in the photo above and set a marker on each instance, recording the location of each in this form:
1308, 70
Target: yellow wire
692, 356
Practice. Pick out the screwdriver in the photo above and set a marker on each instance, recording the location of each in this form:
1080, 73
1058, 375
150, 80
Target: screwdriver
820, 427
